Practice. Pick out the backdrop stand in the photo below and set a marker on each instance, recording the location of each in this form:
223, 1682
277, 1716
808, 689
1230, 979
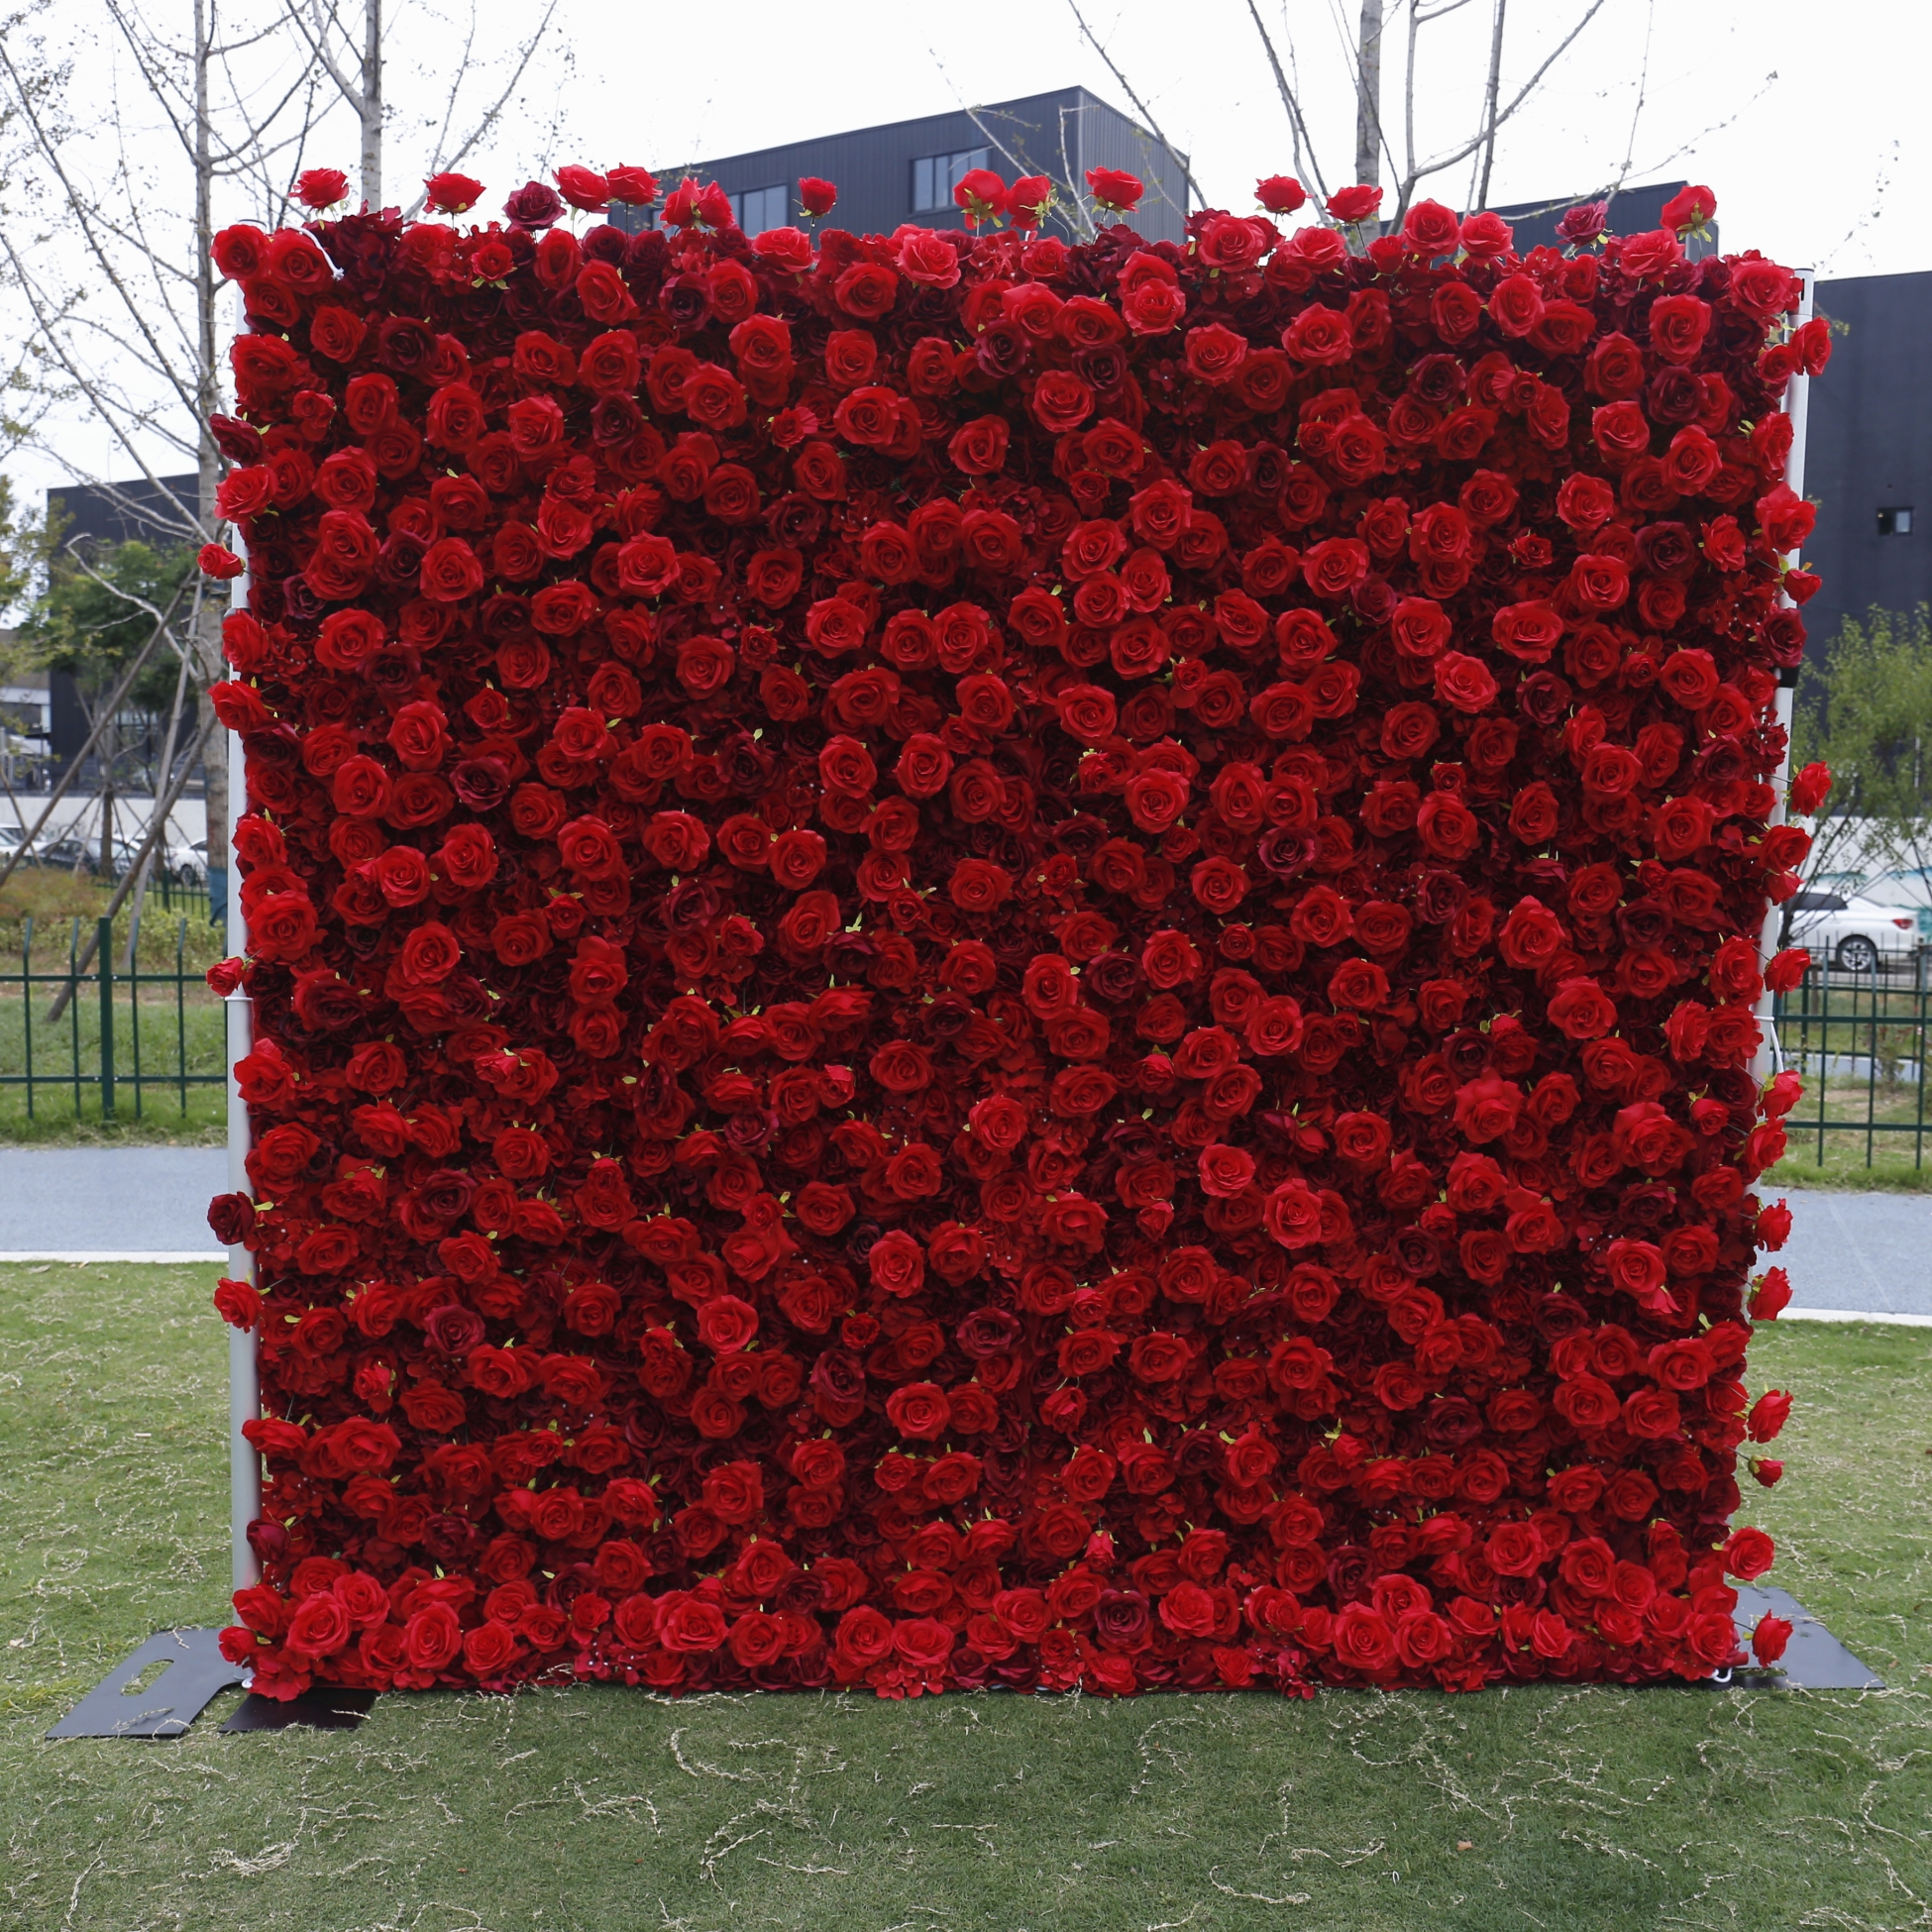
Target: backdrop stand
244, 1376
196, 1674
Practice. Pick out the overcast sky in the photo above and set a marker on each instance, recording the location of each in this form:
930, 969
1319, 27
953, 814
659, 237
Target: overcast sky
1807, 121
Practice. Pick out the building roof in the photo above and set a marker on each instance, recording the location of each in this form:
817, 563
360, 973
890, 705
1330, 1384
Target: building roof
1060, 134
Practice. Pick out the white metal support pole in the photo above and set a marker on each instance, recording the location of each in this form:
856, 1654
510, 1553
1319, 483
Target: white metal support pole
1797, 404
244, 1374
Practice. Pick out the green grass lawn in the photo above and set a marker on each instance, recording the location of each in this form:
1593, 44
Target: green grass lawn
578, 1811
1844, 1168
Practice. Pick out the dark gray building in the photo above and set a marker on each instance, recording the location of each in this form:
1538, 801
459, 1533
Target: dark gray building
906, 171
102, 513
1632, 211
1868, 459
96, 514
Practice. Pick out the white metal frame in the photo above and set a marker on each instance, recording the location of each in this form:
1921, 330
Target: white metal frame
244, 1374
1797, 405
244, 1379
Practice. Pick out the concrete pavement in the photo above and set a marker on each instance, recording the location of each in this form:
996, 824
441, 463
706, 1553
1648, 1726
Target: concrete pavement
1867, 1253
109, 1200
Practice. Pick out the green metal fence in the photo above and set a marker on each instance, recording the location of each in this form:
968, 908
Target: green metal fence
123, 1045
1859, 1041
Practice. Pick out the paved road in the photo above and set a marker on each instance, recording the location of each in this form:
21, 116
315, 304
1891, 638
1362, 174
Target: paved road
109, 1200
1868, 1253
1872, 1252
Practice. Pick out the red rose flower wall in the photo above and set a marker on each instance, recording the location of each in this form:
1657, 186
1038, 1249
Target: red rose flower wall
980, 962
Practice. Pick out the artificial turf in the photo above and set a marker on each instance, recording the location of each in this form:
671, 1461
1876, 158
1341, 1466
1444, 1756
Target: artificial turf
582, 1810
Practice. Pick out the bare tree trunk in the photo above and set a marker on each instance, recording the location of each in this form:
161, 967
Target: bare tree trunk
1368, 96
164, 776
1489, 107
371, 104
205, 629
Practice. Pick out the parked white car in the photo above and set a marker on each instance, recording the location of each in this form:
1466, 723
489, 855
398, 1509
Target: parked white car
1849, 931
187, 864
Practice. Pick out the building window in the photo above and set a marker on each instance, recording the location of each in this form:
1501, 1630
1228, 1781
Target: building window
1896, 521
756, 210
935, 176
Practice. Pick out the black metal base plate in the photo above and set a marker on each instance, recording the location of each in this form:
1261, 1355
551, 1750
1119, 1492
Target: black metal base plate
196, 1673
324, 1707
1814, 1659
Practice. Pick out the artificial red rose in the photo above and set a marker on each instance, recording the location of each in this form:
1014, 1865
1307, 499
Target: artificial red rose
1430, 228
1690, 209
1769, 1638
1113, 190
1354, 204
1749, 1553
1363, 1641
585, 190
1769, 1415
1808, 789
688, 1625
919, 1411
450, 193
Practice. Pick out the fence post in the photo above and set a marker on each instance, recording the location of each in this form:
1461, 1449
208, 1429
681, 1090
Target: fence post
104, 958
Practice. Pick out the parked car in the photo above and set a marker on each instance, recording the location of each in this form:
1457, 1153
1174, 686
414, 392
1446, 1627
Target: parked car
1849, 931
66, 852
187, 864
73, 852
1907, 887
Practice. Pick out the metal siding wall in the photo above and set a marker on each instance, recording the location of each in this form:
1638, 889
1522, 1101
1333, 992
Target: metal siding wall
1867, 444
1111, 140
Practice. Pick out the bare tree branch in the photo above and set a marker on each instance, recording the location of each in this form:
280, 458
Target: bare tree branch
1523, 93
491, 118
1305, 161
1481, 196
1140, 106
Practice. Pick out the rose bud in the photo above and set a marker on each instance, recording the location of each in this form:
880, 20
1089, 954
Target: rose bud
1773, 1296
1809, 791
816, 196
1769, 1637
1116, 193
1769, 1415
